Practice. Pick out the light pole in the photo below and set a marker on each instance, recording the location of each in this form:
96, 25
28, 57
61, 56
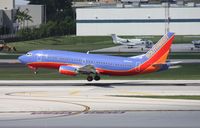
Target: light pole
45, 14
167, 18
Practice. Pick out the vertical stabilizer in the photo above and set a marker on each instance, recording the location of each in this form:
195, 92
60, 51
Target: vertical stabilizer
115, 38
160, 50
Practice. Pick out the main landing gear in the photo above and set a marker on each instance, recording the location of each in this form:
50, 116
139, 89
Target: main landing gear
89, 78
96, 78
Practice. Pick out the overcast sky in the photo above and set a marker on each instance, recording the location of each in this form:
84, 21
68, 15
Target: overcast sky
20, 2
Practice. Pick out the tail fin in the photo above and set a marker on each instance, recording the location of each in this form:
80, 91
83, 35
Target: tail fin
115, 38
161, 49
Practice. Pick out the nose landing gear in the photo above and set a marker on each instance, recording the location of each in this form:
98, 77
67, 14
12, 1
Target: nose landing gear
35, 72
34, 69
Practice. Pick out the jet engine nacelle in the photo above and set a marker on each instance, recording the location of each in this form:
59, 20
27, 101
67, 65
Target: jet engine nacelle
67, 70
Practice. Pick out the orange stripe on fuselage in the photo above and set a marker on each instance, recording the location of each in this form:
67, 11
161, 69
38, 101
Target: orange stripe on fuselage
46, 64
54, 65
151, 68
163, 59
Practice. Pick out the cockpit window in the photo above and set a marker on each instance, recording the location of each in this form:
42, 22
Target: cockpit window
29, 54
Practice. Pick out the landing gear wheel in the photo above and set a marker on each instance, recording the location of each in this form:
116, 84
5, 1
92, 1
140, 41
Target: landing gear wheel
35, 72
34, 69
89, 78
97, 78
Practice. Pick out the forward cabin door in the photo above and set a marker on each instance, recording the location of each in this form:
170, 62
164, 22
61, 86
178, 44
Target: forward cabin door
39, 57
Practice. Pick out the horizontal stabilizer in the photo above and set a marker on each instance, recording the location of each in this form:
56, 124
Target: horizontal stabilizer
168, 64
173, 67
174, 63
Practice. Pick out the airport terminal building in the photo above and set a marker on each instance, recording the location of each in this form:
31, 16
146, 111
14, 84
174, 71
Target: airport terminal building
144, 20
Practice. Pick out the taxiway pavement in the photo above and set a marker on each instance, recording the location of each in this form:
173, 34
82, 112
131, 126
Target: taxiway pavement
174, 48
107, 103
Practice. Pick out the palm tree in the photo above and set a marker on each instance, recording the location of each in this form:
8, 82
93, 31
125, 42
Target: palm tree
22, 16
27, 17
19, 17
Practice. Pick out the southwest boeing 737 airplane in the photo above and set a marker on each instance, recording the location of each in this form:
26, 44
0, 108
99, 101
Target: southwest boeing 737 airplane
94, 65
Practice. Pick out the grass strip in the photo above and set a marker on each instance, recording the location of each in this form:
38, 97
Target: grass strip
185, 97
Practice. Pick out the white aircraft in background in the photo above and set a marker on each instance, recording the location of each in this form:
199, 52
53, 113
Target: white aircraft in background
196, 43
131, 42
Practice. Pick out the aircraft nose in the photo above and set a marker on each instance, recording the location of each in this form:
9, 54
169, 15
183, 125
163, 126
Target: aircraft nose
22, 59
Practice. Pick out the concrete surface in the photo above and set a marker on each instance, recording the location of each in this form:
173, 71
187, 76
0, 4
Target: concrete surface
82, 104
174, 48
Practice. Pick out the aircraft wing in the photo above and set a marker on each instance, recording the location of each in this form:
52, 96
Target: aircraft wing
87, 69
72, 71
